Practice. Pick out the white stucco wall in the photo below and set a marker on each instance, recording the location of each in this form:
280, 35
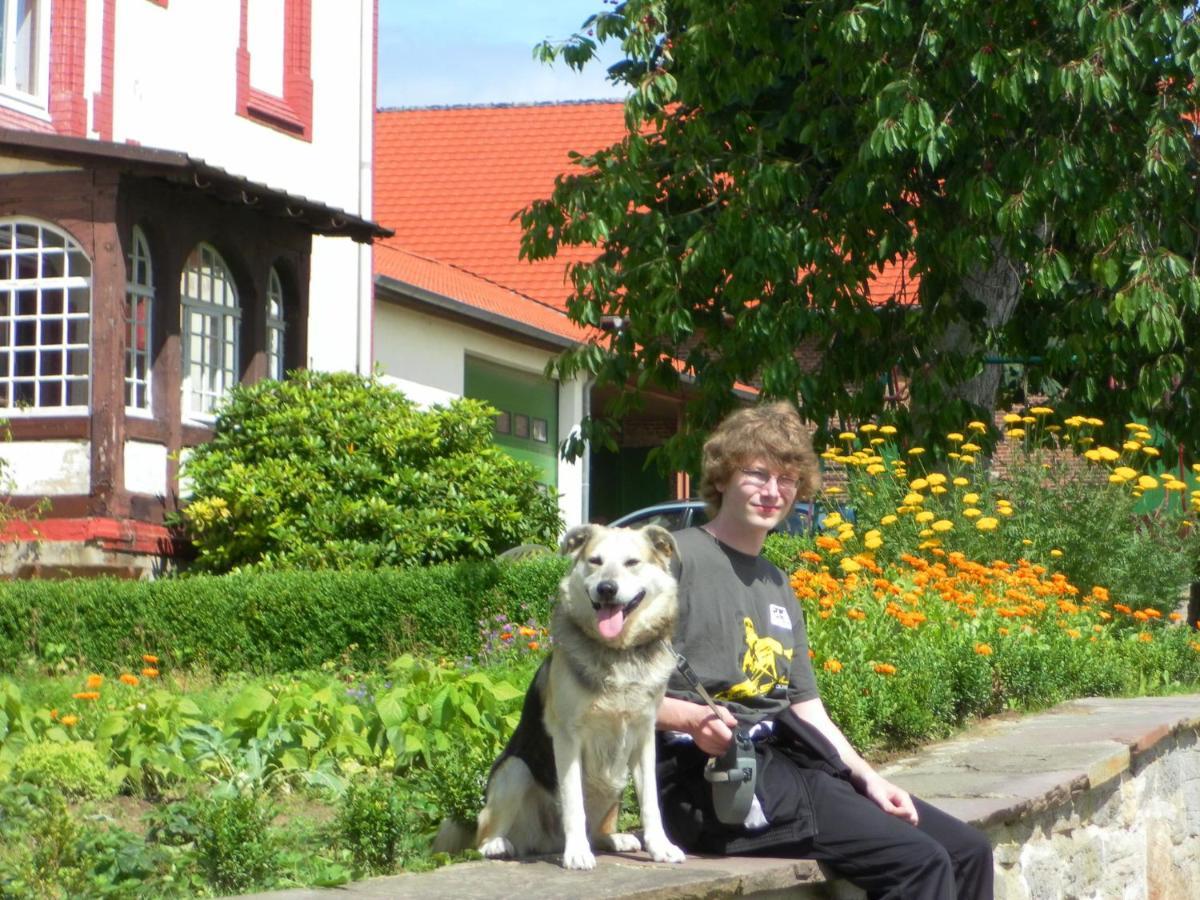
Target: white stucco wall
51, 468
145, 468
423, 356
175, 87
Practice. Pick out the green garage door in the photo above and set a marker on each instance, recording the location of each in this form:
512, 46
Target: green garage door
527, 424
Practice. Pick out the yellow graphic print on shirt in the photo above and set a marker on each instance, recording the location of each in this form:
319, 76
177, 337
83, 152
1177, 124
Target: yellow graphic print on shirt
759, 664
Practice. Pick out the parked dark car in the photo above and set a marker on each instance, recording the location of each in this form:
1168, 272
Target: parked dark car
676, 515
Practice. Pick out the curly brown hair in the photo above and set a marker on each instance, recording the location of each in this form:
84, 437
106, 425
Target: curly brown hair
772, 434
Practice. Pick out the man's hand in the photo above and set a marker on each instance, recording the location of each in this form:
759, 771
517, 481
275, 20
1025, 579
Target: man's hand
891, 799
712, 734
711, 731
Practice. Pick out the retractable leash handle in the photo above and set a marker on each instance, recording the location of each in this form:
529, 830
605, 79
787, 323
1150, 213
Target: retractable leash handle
733, 773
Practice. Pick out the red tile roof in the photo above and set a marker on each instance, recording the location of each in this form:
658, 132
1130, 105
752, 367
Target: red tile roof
445, 280
449, 180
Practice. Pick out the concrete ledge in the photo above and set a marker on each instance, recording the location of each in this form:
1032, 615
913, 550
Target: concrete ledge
1004, 775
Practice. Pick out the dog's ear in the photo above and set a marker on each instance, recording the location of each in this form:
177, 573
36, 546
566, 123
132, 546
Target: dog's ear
575, 538
662, 542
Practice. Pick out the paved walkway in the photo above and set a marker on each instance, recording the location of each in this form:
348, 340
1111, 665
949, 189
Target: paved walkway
997, 772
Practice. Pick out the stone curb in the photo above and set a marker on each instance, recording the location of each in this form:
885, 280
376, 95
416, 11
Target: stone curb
994, 774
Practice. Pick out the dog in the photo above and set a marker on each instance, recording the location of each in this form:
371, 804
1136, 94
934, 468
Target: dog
588, 717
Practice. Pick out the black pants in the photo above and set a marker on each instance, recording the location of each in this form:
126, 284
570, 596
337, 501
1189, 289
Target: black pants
941, 857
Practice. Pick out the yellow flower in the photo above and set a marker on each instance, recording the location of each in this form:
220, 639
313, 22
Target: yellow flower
1174, 484
1147, 482
869, 427
1125, 472
873, 543
1114, 478
1056, 553
1131, 446
936, 478
1011, 419
833, 490
925, 516
971, 498
919, 484
1027, 542
849, 565
887, 429
970, 448
915, 451
972, 513
876, 469
955, 436
848, 436
913, 499
1015, 433
1134, 426
1042, 411
925, 533
937, 489
987, 523
960, 482
1150, 451
976, 426
1108, 454
1004, 510
966, 458
942, 525
1093, 455
1094, 422
833, 520
875, 442
888, 520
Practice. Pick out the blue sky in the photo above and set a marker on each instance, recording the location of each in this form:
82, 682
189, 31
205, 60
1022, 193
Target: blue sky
439, 52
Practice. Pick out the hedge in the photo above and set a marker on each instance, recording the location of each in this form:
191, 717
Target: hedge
269, 622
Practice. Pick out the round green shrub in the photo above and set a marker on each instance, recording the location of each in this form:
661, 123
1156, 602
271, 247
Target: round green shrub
74, 769
334, 470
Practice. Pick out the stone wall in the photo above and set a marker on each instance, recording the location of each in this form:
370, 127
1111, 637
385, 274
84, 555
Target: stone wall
1137, 835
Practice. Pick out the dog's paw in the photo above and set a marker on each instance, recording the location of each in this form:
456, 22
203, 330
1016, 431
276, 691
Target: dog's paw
496, 847
578, 855
620, 843
663, 851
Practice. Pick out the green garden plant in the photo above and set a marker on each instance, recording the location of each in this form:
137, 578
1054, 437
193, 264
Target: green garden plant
373, 819
339, 471
234, 844
73, 768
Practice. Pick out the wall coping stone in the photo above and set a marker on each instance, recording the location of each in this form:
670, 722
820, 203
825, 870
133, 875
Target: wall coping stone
995, 773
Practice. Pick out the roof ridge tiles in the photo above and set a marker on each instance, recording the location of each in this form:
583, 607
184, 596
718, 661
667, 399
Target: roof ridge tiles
598, 101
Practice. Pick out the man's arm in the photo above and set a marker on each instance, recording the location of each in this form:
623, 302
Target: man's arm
711, 734
867, 781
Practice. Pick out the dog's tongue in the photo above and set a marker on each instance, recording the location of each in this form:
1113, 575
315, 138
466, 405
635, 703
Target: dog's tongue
609, 620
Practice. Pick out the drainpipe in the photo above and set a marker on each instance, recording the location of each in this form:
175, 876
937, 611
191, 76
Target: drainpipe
585, 507
366, 101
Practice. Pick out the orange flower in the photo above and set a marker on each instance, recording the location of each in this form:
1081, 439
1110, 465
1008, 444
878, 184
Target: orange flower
1175, 616
832, 665
94, 681
856, 614
149, 672
69, 720
506, 636
526, 631
534, 645
983, 649
885, 669
1145, 637
1121, 607
54, 713
1003, 632
1072, 633
129, 679
811, 653
150, 659
87, 695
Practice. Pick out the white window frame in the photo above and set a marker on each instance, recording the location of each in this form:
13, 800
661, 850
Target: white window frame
35, 102
276, 326
139, 298
49, 319
211, 328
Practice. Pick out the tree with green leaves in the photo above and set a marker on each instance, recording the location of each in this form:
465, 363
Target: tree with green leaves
1033, 162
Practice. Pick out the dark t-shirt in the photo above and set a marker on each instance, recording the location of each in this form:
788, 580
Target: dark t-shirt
741, 628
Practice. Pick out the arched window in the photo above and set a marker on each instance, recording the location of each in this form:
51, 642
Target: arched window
139, 308
211, 319
45, 318
276, 327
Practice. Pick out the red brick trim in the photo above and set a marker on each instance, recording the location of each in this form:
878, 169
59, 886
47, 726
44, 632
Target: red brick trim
106, 533
102, 100
291, 113
162, 3
68, 40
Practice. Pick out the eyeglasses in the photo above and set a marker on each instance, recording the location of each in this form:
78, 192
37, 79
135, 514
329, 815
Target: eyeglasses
760, 477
